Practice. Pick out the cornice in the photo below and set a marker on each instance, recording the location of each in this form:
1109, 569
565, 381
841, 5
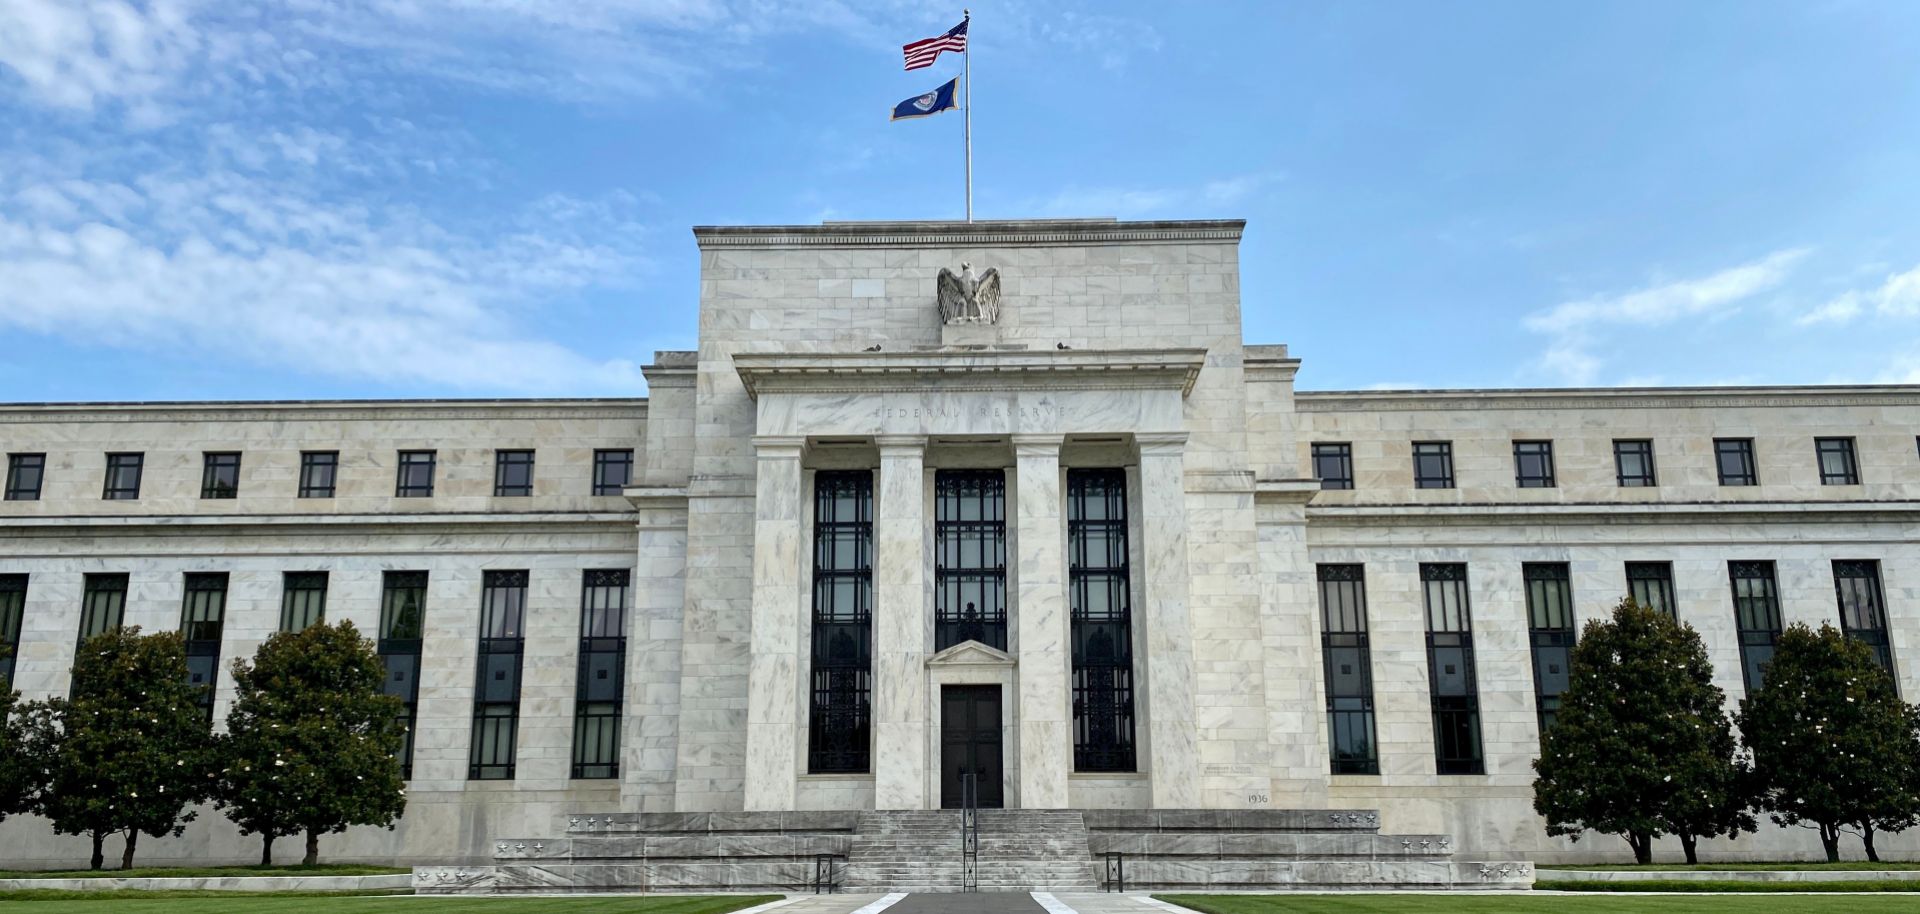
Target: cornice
531, 521
321, 410
1024, 232
1335, 401
968, 370
1611, 513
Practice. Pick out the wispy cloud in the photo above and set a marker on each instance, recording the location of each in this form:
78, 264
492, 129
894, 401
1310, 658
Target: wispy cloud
1575, 327
1898, 296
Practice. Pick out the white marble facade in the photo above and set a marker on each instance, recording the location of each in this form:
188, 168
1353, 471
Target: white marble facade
821, 348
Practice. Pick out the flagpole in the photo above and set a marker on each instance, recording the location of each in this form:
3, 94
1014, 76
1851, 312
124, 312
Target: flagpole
966, 16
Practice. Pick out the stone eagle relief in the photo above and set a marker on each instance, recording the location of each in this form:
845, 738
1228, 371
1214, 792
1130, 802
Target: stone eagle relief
967, 300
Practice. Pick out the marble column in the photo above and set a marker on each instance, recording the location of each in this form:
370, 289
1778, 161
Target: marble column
1045, 702
773, 673
1172, 746
900, 617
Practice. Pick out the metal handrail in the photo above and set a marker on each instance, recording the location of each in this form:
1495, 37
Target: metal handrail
823, 881
1116, 880
969, 833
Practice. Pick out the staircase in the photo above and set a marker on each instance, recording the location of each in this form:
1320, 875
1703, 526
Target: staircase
1021, 850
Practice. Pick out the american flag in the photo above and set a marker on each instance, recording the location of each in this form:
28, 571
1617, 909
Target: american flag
922, 53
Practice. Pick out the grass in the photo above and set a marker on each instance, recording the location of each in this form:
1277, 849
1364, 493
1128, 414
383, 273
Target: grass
1726, 885
196, 872
1559, 904
1800, 865
46, 902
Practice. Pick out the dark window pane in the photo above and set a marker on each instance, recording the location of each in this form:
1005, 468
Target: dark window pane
202, 621
415, 475
1734, 457
1433, 464
403, 609
123, 476
303, 600
1633, 462
1837, 464
512, 473
1550, 631
970, 558
1100, 607
1333, 465
612, 471
103, 603
1651, 585
1756, 612
1450, 666
840, 711
1533, 464
220, 476
317, 471
13, 607
600, 681
496, 703
1348, 668
1863, 609
24, 475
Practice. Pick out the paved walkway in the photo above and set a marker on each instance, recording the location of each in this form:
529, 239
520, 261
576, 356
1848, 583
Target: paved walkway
968, 903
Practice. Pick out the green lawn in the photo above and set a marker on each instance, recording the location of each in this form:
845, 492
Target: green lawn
1725, 885
230, 903
1801, 865
192, 872
1559, 904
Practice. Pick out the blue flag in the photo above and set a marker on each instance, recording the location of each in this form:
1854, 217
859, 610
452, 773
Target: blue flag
934, 102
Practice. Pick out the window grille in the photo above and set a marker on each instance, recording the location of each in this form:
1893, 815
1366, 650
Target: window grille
1349, 669
970, 558
1101, 608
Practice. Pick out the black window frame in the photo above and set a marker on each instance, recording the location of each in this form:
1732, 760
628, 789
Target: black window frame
312, 465
600, 681
1533, 464
1550, 634
1650, 584
1440, 451
970, 506
1845, 449
1339, 456
120, 463
604, 461
303, 599
1756, 616
1452, 676
13, 615
840, 653
513, 473
1740, 449
413, 460
1861, 599
502, 650
1353, 742
203, 617
220, 474
1100, 614
18, 465
403, 619
1639, 449
103, 603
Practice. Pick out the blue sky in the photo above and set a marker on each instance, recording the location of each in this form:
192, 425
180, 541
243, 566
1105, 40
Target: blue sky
428, 198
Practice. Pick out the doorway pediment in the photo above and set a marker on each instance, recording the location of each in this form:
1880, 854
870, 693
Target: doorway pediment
971, 654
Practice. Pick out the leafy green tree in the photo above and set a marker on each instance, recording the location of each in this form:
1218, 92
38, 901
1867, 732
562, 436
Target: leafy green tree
130, 751
312, 744
22, 773
1641, 745
1833, 746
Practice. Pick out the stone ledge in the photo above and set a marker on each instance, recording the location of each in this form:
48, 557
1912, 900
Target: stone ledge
216, 883
1731, 875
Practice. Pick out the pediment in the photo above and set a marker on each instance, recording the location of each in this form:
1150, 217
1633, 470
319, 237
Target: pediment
971, 653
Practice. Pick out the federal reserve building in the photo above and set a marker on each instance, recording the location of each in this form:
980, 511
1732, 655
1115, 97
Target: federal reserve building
945, 516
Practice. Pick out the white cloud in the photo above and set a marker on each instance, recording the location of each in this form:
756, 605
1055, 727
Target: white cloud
250, 270
72, 53
1838, 310
1897, 296
1574, 328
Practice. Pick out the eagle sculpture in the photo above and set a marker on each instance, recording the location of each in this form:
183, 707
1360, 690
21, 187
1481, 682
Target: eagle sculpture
965, 299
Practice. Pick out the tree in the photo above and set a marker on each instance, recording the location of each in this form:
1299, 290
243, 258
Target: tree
1641, 745
1832, 744
130, 751
312, 744
22, 773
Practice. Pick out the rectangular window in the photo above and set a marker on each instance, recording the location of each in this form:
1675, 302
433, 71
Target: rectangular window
1533, 464
512, 474
1863, 609
1650, 584
303, 600
403, 613
970, 558
318, 470
123, 477
1837, 464
220, 475
415, 479
1756, 612
1550, 630
13, 609
599, 685
1333, 465
1450, 673
1433, 464
612, 471
1633, 463
496, 691
840, 716
24, 475
1349, 668
103, 603
1101, 614
1734, 457
203, 616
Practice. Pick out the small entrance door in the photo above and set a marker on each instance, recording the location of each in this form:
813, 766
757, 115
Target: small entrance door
970, 744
